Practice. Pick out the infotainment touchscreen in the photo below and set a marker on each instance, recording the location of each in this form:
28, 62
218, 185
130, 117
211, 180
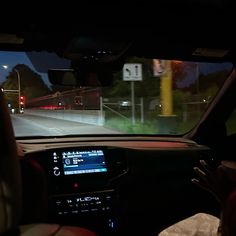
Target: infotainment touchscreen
83, 161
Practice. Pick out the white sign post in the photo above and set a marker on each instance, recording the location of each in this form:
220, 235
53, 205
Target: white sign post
132, 72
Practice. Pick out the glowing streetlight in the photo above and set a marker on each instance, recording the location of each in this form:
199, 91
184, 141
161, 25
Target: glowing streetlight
19, 93
18, 81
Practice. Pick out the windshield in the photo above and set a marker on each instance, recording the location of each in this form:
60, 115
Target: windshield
147, 96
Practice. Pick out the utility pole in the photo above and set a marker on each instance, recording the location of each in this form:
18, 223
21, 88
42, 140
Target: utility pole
15, 90
19, 92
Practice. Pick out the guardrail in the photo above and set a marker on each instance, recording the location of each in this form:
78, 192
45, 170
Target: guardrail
94, 117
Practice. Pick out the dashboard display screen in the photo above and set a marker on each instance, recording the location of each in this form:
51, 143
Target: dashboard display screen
83, 161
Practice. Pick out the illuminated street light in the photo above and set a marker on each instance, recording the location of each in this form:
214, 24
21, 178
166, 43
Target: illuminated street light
19, 93
19, 88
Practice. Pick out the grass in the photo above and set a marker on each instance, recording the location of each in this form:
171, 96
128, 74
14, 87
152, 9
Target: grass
152, 125
126, 126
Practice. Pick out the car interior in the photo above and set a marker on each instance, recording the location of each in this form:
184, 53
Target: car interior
139, 183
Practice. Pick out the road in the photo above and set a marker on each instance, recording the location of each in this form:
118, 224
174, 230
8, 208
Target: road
31, 125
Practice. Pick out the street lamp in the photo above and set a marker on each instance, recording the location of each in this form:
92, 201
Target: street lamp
18, 82
19, 93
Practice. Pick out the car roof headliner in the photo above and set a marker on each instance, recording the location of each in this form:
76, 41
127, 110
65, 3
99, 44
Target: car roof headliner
167, 30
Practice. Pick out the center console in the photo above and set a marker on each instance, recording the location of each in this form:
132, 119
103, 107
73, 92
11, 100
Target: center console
81, 187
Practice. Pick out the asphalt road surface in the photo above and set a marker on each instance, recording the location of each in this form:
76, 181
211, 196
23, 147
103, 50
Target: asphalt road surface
31, 125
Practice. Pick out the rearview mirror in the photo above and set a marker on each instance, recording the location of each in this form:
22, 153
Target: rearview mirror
83, 78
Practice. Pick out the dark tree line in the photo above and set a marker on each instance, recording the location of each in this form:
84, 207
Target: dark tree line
31, 84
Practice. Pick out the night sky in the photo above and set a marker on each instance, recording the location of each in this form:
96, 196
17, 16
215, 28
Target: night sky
41, 62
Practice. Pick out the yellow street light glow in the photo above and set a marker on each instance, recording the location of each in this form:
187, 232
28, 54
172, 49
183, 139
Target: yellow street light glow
177, 62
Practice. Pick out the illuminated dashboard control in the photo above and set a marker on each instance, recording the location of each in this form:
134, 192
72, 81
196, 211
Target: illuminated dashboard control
84, 203
83, 162
56, 171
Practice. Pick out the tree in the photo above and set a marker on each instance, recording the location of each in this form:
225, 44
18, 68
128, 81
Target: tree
32, 84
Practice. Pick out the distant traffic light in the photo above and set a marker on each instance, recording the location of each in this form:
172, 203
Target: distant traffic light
22, 104
22, 101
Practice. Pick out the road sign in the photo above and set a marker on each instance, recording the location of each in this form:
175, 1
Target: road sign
159, 67
132, 72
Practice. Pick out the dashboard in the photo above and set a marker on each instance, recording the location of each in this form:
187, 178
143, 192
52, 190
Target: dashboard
111, 187
82, 188
82, 185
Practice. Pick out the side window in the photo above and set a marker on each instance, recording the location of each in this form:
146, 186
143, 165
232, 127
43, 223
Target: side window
231, 124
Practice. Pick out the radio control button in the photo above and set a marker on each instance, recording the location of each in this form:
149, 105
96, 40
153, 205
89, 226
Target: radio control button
56, 171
